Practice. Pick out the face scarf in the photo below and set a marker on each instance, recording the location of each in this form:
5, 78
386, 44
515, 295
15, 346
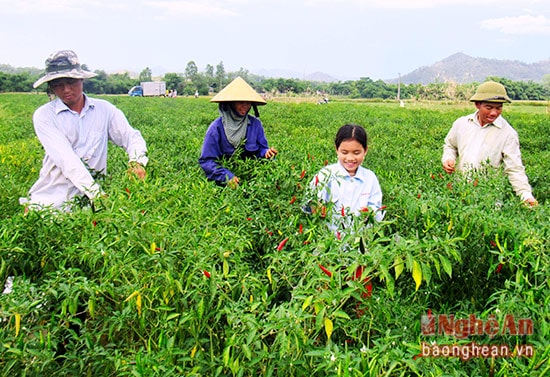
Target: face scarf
234, 125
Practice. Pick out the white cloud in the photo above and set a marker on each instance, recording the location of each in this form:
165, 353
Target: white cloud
173, 9
518, 25
56, 7
403, 4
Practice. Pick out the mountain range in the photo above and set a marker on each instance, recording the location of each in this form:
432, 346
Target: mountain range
462, 69
459, 68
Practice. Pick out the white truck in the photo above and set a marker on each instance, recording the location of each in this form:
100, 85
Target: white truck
148, 88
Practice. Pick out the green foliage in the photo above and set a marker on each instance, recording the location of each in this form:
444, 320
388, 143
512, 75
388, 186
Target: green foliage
177, 276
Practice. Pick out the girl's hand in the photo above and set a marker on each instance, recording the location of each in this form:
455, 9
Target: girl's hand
449, 166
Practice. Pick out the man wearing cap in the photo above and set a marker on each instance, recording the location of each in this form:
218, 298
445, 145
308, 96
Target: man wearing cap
234, 129
74, 130
485, 136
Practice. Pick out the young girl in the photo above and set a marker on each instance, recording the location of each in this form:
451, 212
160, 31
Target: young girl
347, 188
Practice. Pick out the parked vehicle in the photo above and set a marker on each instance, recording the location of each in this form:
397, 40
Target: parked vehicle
148, 88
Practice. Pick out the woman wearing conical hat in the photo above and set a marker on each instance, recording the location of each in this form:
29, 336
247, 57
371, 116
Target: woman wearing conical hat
235, 129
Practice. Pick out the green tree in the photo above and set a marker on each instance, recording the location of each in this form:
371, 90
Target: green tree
220, 76
191, 71
174, 81
146, 75
546, 81
120, 83
97, 84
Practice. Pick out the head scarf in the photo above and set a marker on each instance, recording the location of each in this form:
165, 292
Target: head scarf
234, 124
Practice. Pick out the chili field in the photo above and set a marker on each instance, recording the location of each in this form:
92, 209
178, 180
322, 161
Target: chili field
177, 276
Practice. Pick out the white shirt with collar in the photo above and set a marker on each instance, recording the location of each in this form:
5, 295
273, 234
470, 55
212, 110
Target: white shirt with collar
349, 195
496, 143
75, 146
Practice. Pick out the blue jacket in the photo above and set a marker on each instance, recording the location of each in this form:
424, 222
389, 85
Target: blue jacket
216, 146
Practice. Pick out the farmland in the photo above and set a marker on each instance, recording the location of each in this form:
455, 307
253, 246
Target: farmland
177, 276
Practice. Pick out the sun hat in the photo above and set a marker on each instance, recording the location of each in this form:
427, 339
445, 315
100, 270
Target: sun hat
239, 90
61, 64
491, 91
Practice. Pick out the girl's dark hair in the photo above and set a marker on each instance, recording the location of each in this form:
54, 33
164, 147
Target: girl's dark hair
351, 132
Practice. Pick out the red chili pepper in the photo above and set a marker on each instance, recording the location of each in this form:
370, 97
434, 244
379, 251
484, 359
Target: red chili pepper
368, 293
282, 244
94, 223
338, 236
206, 273
303, 174
269, 232
323, 212
301, 229
293, 199
450, 185
365, 209
249, 218
127, 190
316, 180
499, 267
381, 208
475, 183
343, 211
418, 196
358, 272
323, 268
432, 176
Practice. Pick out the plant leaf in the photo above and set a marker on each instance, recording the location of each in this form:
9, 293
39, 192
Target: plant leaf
398, 266
328, 327
417, 274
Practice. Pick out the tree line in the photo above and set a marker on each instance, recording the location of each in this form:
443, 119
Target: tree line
213, 78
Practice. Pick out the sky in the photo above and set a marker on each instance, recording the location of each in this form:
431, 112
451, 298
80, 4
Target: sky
346, 39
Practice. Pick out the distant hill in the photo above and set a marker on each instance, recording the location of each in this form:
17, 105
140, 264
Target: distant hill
6, 68
462, 69
289, 74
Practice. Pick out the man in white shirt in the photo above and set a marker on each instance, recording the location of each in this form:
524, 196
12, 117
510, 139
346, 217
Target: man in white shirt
485, 136
74, 130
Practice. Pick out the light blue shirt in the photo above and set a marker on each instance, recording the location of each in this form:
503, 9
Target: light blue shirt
75, 146
349, 195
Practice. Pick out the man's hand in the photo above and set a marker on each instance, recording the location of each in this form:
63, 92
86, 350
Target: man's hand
449, 166
136, 170
271, 152
532, 202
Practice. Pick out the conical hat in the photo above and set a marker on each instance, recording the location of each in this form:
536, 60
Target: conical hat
238, 90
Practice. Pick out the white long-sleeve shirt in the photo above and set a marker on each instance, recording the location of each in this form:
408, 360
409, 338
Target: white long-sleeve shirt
496, 143
76, 145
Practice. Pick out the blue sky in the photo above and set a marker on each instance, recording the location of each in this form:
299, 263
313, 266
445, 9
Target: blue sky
347, 39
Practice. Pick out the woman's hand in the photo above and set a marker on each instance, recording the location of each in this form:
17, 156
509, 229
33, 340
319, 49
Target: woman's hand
271, 152
233, 182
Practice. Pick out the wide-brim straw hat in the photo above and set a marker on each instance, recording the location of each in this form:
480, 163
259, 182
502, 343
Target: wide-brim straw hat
239, 90
62, 64
491, 91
